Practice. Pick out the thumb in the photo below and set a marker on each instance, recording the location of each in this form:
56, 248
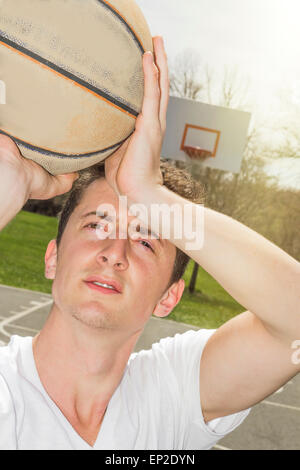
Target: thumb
73, 176
64, 183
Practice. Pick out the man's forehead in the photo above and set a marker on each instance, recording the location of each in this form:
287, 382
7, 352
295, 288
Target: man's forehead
98, 192
101, 201
102, 206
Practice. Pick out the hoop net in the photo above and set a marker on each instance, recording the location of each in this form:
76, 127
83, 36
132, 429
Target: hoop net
197, 153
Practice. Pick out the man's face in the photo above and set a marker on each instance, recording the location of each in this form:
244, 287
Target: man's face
141, 268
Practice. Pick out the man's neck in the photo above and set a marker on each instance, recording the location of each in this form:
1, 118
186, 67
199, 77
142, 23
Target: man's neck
81, 367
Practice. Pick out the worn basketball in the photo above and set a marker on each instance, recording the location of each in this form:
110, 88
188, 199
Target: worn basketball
74, 78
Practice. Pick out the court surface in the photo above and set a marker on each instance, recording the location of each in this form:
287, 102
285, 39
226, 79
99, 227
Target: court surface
273, 424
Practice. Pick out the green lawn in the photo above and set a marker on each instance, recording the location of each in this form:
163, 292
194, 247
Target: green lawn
209, 306
22, 247
23, 243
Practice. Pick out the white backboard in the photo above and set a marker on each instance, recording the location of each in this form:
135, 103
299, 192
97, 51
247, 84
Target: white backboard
221, 131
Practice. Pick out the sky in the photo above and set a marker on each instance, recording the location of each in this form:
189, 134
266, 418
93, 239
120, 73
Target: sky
260, 38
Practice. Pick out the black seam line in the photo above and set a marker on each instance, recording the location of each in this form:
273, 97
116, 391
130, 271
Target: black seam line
60, 155
129, 29
69, 75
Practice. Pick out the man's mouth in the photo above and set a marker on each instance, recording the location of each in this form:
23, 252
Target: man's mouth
104, 285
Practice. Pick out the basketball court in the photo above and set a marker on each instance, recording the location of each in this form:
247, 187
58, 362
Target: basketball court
273, 424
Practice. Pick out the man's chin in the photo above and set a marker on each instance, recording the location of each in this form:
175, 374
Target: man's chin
94, 316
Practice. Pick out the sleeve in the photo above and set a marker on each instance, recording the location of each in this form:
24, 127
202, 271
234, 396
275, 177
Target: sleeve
7, 418
184, 353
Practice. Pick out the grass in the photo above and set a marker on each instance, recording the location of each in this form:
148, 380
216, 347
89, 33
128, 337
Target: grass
209, 306
23, 243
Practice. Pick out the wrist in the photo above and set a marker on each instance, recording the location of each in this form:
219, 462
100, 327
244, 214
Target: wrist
15, 179
149, 195
28, 177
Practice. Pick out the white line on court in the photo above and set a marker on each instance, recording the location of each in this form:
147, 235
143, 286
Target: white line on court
296, 408
36, 306
217, 446
24, 328
25, 291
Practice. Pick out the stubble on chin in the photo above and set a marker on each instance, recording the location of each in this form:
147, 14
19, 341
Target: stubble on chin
94, 318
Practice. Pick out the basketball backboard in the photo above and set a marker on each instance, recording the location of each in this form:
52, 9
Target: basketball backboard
218, 135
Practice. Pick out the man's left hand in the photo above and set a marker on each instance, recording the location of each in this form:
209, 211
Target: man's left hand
135, 167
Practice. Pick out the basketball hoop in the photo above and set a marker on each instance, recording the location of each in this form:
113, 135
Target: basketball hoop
197, 153
200, 143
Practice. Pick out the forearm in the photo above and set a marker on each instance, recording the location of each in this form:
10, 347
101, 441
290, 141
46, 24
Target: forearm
255, 272
13, 191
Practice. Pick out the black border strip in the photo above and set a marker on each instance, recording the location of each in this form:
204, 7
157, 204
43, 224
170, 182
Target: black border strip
60, 155
129, 29
68, 75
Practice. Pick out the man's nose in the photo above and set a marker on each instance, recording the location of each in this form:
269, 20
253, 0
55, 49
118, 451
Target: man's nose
113, 252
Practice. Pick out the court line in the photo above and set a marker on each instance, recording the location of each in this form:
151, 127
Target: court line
218, 447
296, 408
36, 306
43, 294
25, 328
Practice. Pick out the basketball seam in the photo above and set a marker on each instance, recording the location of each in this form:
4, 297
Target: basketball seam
56, 154
65, 74
108, 6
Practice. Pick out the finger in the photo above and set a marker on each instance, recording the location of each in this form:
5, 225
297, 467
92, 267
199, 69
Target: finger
151, 102
112, 162
164, 84
111, 165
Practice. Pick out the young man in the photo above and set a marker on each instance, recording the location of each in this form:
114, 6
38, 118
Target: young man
77, 384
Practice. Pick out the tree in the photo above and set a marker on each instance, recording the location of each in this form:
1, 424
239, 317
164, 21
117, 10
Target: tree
185, 81
233, 90
283, 126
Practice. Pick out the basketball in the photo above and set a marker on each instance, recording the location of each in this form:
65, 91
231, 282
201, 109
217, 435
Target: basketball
74, 79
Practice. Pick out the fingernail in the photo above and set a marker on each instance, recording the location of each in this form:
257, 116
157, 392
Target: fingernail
149, 55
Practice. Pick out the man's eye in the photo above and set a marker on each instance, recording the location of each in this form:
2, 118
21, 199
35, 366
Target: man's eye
146, 244
95, 226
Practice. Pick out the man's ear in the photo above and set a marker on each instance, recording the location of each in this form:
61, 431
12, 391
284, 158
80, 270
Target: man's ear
170, 299
51, 260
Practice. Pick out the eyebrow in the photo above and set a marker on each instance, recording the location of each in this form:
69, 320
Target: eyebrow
110, 219
98, 214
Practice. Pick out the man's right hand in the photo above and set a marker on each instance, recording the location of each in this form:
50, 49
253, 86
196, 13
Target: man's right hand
39, 184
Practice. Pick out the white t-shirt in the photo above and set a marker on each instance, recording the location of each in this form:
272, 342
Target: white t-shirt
156, 405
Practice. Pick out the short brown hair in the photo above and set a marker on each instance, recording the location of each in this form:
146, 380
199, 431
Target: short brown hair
177, 180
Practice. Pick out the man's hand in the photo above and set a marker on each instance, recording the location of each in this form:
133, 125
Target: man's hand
39, 184
135, 166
